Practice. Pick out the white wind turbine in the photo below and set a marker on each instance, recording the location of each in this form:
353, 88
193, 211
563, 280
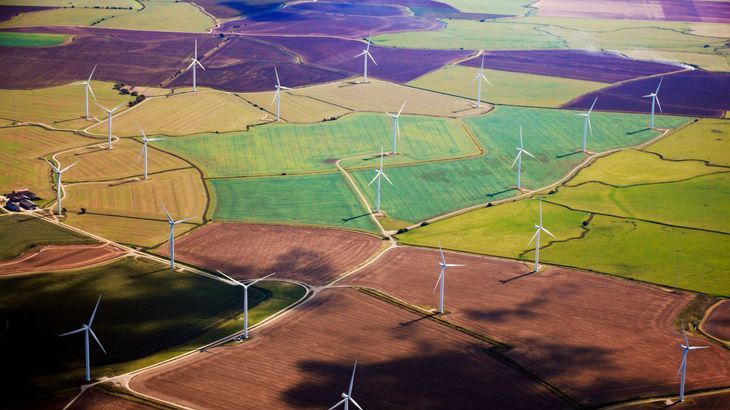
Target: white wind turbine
143, 152
277, 95
479, 77
59, 172
654, 100
172, 223
347, 397
87, 90
587, 124
109, 120
683, 366
396, 125
536, 237
86, 328
245, 298
518, 159
366, 54
378, 174
193, 63
440, 283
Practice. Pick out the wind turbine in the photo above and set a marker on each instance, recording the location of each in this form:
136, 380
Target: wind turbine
366, 54
347, 397
109, 119
86, 328
442, 279
192, 64
172, 223
145, 140
87, 89
654, 99
245, 298
683, 366
59, 172
587, 124
518, 159
277, 95
378, 174
479, 77
396, 126
536, 238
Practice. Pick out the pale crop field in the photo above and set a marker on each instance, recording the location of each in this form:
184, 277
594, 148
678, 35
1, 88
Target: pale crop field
131, 231
295, 108
163, 15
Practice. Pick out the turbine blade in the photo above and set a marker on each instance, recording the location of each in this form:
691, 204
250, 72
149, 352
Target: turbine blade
338, 404
93, 314
141, 130
352, 379
235, 282
441, 251
65, 169
183, 220
547, 232
659, 86
528, 153
360, 55
141, 151
486, 79
355, 403
590, 127
684, 334
386, 178
276, 94
116, 108
533, 237
201, 65
519, 153
276, 72
92, 73
647, 96
101, 106
192, 63
658, 104
91, 90
453, 264
97, 340
81, 329
592, 105
698, 347
260, 279
438, 281
401, 108
377, 174
53, 166
682, 363
281, 87
371, 58
169, 217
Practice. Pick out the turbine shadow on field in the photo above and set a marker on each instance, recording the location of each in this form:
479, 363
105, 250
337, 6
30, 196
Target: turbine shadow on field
560, 156
504, 191
354, 217
638, 131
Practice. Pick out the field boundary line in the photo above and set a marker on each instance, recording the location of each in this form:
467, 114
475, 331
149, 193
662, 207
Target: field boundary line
724, 343
361, 197
690, 394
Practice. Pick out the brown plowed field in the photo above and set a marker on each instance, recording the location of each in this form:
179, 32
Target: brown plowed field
59, 257
598, 338
310, 255
305, 361
717, 321
98, 400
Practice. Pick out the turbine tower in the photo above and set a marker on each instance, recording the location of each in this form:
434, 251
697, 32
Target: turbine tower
654, 100
86, 328
518, 160
245, 298
193, 63
145, 140
440, 283
172, 223
87, 89
59, 172
479, 77
277, 95
366, 54
683, 366
347, 397
378, 174
109, 120
396, 126
536, 238
587, 124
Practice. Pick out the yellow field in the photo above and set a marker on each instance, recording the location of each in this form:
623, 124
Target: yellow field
22, 153
380, 96
507, 87
182, 192
140, 232
182, 114
59, 107
295, 108
74, 3
710, 62
99, 164
163, 15
63, 17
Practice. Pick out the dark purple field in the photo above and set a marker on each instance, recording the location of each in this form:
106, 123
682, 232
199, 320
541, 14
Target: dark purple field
8, 12
361, 8
695, 93
235, 8
398, 65
294, 21
577, 64
670, 10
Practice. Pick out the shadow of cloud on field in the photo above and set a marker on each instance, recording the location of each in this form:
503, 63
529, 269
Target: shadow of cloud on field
445, 378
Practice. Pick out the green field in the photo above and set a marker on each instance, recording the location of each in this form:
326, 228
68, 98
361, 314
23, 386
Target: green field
310, 199
643, 215
553, 136
276, 148
147, 314
516, 7
507, 87
18, 233
706, 140
13, 39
